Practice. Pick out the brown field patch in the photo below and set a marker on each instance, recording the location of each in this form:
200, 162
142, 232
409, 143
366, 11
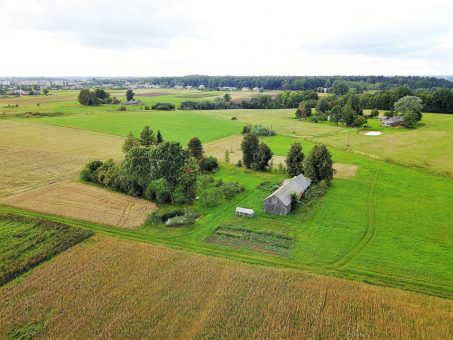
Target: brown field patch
111, 288
153, 94
343, 170
33, 155
85, 202
217, 149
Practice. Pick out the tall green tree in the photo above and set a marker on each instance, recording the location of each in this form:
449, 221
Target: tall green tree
159, 138
188, 179
130, 142
410, 107
129, 95
318, 166
295, 159
249, 145
262, 156
304, 109
196, 149
147, 137
227, 98
87, 97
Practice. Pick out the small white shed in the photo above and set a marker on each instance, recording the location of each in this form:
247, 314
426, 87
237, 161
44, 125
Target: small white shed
245, 212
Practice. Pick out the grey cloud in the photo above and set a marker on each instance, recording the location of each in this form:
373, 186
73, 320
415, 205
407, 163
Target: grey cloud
108, 24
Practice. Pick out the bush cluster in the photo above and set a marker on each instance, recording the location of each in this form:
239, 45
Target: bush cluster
163, 107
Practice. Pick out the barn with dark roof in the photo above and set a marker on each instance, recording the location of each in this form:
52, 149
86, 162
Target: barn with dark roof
279, 202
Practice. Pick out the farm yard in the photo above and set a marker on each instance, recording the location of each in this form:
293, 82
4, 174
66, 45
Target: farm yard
391, 195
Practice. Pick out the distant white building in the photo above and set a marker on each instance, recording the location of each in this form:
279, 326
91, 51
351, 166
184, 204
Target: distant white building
178, 87
256, 89
189, 87
246, 88
201, 87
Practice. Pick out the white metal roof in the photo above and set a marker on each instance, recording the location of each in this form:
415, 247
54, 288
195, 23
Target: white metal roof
245, 211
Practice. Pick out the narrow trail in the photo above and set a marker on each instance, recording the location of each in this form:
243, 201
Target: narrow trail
371, 227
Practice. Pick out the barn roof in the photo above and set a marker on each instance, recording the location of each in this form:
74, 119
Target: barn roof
297, 184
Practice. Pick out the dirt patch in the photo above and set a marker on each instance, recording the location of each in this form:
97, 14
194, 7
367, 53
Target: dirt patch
242, 238
85, 202
217, 149
343, 170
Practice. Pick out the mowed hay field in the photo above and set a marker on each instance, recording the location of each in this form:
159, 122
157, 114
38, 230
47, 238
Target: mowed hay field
34, 155
84, 202
111, 288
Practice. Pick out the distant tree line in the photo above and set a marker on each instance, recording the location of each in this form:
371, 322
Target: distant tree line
359, 83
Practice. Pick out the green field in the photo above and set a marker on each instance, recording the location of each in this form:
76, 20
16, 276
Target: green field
174, 125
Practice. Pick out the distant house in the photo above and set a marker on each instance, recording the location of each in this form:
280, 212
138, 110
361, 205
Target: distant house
256, 89
132, 102
201, 87
392, 121
178, 87
279, 202
188, 87
245, 212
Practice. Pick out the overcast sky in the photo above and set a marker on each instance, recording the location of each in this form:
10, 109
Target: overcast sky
235, 37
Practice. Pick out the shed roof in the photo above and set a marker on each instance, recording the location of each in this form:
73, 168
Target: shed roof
297, 184
245, 211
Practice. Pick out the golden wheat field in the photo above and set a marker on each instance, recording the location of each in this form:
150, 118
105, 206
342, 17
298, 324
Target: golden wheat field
84, 202
34, 155
112, 288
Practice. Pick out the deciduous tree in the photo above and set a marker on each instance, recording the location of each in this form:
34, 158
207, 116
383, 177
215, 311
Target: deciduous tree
249, 145
294, 160
318, 165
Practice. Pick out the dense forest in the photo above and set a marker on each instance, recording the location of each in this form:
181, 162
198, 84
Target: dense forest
359, 83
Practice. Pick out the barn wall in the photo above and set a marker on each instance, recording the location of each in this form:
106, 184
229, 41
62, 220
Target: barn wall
274, 206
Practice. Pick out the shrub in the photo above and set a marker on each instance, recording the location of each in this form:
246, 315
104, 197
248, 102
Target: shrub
258, 130
158, 191
239, 164
267, 186
209, 164
122, 108
231, 189
163, 106
171, 216
234, 118
147, 107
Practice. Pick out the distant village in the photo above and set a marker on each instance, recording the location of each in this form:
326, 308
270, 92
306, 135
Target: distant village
33, 86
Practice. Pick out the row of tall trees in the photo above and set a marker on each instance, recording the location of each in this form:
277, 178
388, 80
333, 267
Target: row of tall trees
318, 166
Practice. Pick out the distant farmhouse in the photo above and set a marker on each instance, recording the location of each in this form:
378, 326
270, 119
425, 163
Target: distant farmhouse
392, 121
279, 202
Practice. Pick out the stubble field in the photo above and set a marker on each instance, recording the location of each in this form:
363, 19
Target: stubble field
84, 202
